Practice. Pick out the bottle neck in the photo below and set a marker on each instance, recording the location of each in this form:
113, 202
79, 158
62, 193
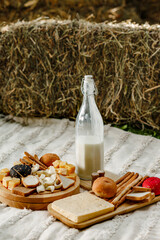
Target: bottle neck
89, 97
88, 87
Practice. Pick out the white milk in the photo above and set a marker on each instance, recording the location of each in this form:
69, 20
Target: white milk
89, 156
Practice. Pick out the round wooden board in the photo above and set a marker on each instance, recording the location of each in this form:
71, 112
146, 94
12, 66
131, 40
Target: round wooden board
39, 198
22, 205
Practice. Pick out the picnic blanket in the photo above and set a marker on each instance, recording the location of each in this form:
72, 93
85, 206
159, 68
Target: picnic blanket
124, 151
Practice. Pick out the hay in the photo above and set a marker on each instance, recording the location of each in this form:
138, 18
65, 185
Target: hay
92, 10
42, 63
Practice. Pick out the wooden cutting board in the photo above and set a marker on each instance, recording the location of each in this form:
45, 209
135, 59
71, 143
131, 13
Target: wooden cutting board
36, 201
126, 207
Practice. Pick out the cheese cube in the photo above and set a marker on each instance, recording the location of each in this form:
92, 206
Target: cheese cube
2, 175
6, 181
5, 170
40, 188
62, 164
72, 176
71, 168
13, 183
56, 163
62, 171
82, 207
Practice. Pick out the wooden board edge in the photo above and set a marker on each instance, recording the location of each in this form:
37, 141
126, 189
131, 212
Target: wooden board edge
22, 205
118, 211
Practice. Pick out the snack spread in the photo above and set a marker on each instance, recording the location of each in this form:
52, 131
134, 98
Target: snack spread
105, 197
32, 174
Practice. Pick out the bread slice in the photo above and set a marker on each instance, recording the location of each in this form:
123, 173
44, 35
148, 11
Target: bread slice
66, 182
30, 181
149, 199
82, 207
138, 196
141, 189
23, 191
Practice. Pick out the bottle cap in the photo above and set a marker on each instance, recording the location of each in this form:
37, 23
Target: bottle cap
88, 78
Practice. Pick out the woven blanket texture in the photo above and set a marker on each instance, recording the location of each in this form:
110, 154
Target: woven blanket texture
124, 151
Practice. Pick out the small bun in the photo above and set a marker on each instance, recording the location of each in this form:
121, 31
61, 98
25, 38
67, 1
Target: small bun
104, 187
48, 158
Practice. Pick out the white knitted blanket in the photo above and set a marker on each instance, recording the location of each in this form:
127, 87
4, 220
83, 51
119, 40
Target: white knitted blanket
123, 151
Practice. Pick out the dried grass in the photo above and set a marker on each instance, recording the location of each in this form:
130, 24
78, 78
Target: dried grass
92, 10
42, 63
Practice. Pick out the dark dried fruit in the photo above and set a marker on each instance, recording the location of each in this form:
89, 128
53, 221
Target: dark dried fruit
20, 170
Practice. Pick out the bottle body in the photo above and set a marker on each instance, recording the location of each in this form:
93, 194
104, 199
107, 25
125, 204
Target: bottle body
89, 134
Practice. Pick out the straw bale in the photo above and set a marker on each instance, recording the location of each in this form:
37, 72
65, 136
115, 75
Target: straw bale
42, 63
92, 10
149, 10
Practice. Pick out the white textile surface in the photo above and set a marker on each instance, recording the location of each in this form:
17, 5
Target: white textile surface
123, 152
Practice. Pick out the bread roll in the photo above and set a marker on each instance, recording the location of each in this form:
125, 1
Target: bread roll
48, 158
104, 187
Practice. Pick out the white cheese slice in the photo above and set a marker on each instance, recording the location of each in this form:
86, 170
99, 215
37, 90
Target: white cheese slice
66, 182
82, 207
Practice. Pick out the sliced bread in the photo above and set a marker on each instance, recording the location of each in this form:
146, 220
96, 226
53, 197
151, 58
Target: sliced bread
30, 181
23, 191
138, 196
141, 189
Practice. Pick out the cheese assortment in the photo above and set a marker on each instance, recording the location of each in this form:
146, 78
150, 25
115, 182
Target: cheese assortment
39, 176
31, 174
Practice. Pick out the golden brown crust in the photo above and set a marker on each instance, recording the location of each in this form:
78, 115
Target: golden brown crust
48, 158
104, 187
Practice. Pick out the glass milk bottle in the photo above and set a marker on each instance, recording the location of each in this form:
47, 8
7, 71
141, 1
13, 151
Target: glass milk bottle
89, 133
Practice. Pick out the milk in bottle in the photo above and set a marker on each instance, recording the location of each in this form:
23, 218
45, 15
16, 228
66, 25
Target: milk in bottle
89, 133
